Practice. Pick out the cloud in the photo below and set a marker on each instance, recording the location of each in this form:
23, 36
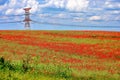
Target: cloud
55, 3
112, 5
78, 10
72, 5
77, 5
95, 18
61, 15
43, 15
77, 19
117, 18
9, 11
111, 17
16, 6
114, 12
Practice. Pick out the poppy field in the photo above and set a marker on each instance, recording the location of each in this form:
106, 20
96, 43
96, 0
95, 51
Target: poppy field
59, 55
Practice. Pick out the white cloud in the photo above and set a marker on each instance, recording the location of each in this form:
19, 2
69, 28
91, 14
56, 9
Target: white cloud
77, 5
9, 11
16, 6
110, 4
95, 18
72, 5
2, 7
77, 19
61, 15
55, 3
114, 12
105, 17
109, 17
117, 18
43, 15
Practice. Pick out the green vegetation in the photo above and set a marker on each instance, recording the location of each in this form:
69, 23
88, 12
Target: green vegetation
25, 70
17, 70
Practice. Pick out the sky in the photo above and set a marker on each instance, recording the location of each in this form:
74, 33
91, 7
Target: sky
70, 14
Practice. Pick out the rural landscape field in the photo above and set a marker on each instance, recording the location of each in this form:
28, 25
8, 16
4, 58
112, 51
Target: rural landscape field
59, 55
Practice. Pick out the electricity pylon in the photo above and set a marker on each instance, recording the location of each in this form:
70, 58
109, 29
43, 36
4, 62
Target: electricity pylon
27, 18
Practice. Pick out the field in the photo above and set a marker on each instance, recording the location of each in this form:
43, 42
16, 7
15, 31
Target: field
59, 55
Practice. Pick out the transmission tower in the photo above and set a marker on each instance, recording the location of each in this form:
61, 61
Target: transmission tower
27, 18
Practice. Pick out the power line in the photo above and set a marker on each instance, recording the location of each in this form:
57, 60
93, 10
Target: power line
4, 17
10, 22
58, 12
72, 25
11, 15
7, 17
64, 18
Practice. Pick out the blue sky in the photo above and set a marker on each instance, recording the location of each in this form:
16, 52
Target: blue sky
88, 14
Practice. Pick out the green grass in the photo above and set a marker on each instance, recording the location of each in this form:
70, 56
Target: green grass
10, 75
14, 70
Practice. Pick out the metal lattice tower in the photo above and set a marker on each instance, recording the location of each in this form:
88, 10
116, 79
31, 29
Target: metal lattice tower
27, 18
